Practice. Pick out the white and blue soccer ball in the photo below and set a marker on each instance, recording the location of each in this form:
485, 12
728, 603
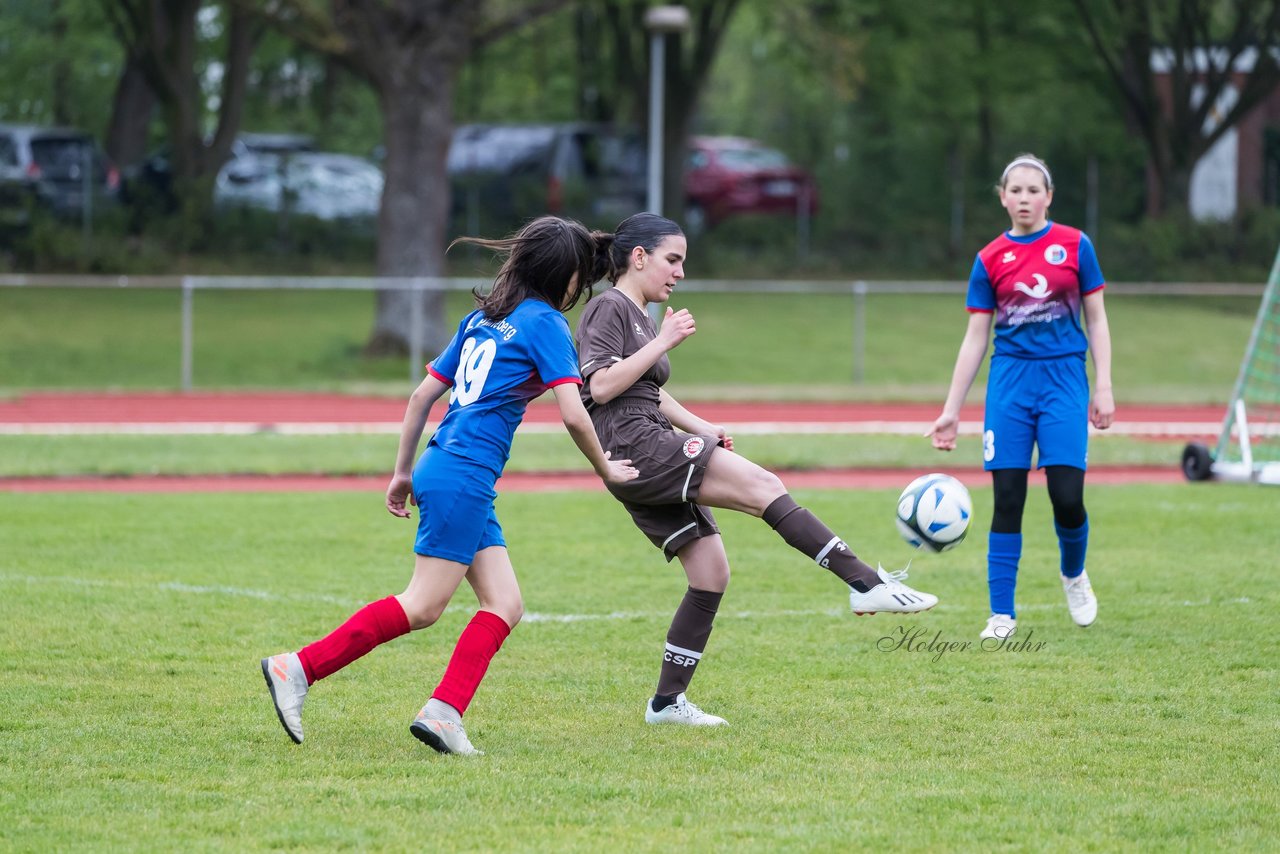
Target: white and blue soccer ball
934, 512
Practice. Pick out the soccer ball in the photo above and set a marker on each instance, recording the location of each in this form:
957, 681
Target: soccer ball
934, 512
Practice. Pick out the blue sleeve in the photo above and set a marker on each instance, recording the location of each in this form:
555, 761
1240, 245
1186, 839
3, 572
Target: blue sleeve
1090, 273
446, 364
552, 350
982, 296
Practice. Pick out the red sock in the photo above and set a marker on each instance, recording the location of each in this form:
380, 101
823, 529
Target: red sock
479, 642
375, 623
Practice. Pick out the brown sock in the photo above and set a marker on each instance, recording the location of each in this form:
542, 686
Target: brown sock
686, 639
806, 533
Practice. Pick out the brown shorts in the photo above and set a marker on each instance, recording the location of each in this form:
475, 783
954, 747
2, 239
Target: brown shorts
662, 500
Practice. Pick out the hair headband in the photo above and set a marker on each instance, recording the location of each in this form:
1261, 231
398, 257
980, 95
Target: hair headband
1027, 161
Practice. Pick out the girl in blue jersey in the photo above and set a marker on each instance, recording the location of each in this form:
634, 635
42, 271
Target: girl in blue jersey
511, 349
1031, 284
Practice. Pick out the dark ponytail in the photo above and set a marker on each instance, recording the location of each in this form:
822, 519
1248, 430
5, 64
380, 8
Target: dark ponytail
603, 267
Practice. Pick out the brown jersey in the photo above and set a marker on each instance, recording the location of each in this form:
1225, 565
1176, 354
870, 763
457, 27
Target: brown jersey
611, 328
662, 500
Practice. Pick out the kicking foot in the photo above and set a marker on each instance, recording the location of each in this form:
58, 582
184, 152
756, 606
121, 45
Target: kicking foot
891, 595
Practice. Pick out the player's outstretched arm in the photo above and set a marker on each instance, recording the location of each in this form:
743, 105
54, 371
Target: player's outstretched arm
972, 351
578, 423
400, 490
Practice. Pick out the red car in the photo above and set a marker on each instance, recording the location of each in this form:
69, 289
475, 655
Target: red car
729, 175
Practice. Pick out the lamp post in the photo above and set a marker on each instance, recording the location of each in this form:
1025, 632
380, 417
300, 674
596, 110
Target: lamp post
660, 21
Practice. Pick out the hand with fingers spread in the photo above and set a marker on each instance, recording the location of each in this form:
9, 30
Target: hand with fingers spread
619, 471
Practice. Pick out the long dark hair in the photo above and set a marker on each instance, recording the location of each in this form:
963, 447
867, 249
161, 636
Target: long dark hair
541, 259
642, 229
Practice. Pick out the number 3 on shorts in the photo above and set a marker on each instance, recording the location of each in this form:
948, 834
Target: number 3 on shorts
473, 370
989, 445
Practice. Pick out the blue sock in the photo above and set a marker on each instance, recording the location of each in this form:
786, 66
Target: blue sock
1073, 543
1003, 553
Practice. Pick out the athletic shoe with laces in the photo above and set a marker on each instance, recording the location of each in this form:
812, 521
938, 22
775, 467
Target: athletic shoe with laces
288, 686
891, 595
999, 626
1081, 602
442, 736
680, 712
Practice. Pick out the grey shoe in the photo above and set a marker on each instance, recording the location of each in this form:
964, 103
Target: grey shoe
288, 686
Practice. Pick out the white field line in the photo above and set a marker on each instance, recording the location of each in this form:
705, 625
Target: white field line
179, 587
336, 428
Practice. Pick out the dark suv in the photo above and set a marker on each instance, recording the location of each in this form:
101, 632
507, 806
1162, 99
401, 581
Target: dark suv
49, 168
503, 175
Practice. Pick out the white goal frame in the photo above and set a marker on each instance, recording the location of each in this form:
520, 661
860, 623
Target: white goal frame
1246, 470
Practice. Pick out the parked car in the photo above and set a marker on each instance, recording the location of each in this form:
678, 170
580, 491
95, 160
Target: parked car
151, 181
319, 184
46, 167
502, 175
730, 175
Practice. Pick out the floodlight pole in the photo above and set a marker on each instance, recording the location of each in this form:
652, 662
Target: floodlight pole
660, 21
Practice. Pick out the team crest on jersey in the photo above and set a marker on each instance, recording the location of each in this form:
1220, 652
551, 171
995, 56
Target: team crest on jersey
693, 446
1009, 258
639, 331
1055, 254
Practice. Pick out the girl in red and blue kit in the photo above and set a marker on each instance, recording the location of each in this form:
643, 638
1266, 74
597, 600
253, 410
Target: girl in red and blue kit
1031, 283
511, 349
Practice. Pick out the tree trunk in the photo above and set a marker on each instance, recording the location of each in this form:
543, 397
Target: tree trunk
126, 135
417, 111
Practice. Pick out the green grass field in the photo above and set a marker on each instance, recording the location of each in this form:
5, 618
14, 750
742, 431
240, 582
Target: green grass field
748, 346
135, 717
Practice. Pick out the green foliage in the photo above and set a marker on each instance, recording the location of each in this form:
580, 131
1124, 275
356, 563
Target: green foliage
1177, 248
58, 63
136, 717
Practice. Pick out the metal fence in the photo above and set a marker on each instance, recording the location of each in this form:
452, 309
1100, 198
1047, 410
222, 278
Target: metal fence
857, 289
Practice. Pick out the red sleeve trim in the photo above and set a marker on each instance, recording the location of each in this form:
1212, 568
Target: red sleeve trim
439, 376
563, 380
1095, 290
980, 310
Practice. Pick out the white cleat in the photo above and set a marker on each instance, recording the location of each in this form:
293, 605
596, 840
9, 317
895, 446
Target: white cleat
891, 595
1081, 602
288, 686
680, 712
442, 736
999, 626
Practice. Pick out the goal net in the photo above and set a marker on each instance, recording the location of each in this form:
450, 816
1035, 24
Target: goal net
1248, 447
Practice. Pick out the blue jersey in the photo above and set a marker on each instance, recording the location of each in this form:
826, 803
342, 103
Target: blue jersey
1035, 285
495, 367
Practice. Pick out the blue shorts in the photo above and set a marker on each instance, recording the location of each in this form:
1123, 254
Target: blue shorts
455, 507
1041, 402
